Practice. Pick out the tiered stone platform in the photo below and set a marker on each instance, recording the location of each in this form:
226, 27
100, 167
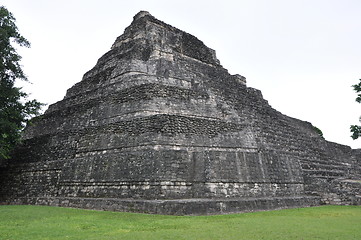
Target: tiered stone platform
159, 126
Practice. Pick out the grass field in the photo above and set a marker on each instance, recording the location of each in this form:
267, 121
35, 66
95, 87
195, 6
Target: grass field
40, 222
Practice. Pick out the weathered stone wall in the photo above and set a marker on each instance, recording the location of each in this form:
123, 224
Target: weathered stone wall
158, 125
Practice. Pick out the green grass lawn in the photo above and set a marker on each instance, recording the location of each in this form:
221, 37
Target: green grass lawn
40, 222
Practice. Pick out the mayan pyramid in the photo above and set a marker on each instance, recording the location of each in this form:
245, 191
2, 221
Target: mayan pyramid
159, 126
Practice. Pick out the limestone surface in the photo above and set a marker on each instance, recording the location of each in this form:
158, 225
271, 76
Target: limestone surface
159, 126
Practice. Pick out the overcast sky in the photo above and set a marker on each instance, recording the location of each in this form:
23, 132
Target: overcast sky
303, 55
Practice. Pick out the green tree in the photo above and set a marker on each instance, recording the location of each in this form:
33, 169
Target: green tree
15, 109
355, 129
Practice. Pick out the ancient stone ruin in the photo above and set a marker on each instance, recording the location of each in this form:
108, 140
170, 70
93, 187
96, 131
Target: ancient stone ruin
159, 126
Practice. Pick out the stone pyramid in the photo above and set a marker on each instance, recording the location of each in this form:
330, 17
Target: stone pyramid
159, 126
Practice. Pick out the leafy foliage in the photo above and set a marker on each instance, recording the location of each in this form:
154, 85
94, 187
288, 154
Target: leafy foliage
15, 109
355, 129
357, 88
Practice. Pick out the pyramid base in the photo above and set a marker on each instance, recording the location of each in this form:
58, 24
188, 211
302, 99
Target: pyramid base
197, 206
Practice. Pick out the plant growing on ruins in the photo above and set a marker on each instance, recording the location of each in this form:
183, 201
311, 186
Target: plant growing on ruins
355, 129
15, 109
319, 132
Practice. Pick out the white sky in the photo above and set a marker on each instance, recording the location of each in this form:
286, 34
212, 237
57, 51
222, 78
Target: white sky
303, 55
